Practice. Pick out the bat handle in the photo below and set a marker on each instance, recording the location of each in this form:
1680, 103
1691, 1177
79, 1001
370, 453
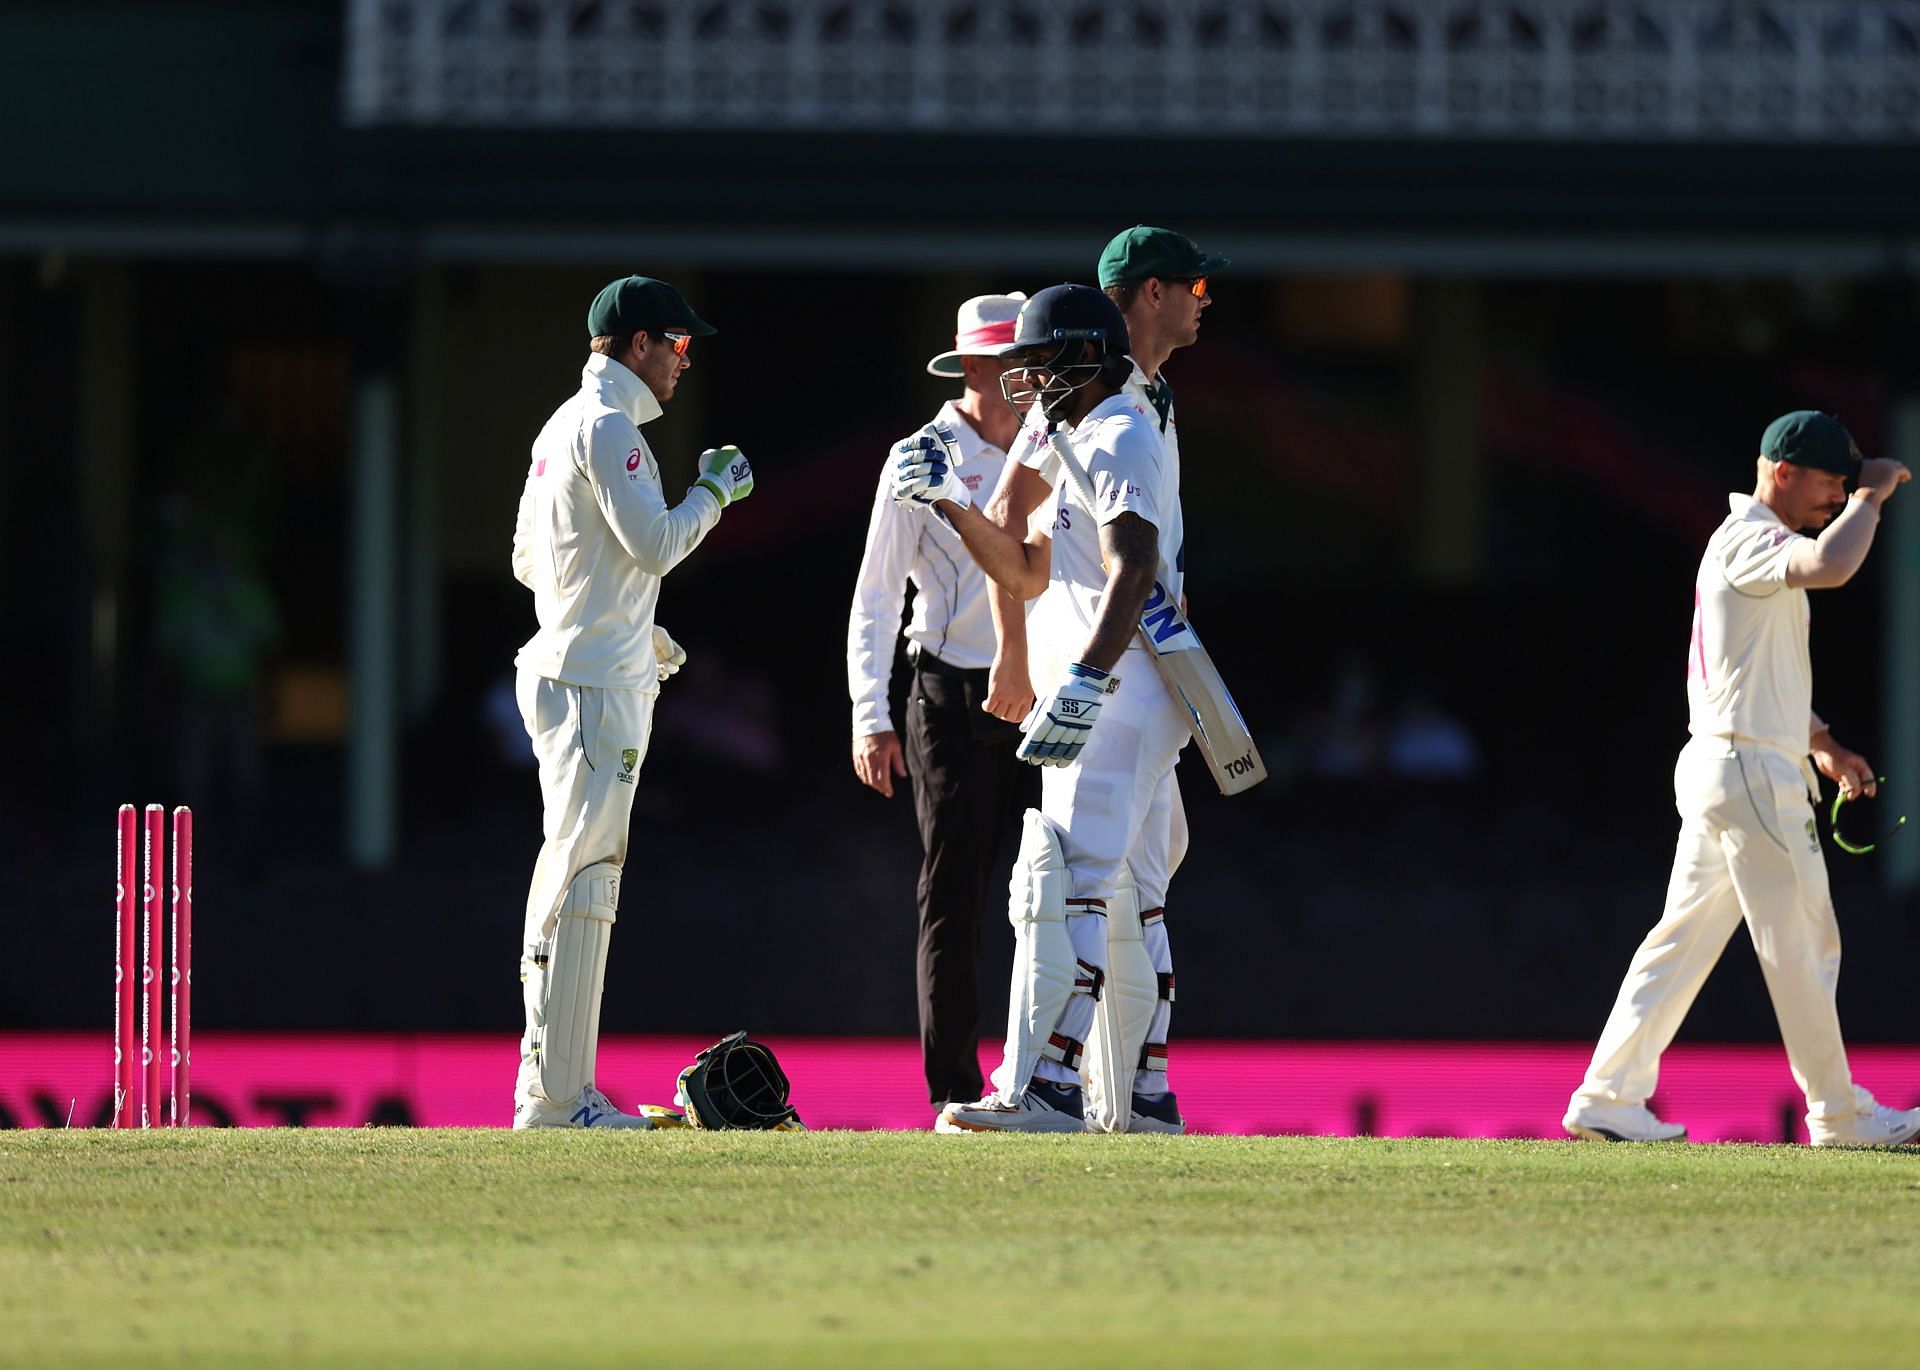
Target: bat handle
1057, 441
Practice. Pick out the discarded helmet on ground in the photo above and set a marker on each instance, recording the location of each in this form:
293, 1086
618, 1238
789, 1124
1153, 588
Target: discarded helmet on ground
737, 1083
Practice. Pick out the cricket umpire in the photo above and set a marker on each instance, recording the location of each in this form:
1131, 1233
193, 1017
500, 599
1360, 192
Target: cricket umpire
594, 537
959, 757
1748, 844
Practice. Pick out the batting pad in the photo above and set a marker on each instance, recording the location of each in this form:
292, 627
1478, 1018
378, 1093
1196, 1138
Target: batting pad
1125, 1013
563, 1003
1046, 971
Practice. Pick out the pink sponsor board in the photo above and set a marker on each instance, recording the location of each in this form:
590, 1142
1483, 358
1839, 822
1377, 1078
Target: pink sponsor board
1388, 1089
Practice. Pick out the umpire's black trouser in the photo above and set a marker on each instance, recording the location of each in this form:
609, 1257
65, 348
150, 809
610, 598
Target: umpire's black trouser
968, 790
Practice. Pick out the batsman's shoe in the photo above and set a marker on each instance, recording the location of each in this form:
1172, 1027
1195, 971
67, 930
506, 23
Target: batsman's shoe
1604, 1122
1157, 1113
589, 1108
1872, 1125
1045, 1107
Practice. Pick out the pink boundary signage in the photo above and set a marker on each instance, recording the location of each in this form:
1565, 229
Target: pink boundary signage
1388, 1089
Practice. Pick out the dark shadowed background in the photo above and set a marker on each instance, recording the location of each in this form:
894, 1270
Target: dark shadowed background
272, 350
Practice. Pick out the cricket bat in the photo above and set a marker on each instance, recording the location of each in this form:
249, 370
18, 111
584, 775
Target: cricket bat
1225, 742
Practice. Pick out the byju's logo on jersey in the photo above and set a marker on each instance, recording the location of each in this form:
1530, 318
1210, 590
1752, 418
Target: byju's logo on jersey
629, 758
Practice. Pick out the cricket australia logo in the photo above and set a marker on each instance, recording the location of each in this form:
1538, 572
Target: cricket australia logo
629, 758
1813, 837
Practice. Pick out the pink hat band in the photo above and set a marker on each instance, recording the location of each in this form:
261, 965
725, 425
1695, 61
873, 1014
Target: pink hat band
988, 335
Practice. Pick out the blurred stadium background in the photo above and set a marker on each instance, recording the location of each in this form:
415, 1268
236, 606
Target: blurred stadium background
287, 288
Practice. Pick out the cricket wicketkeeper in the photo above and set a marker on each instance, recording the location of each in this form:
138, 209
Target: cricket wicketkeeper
595, 536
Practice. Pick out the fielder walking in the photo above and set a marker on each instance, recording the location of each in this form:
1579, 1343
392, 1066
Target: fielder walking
959, 757
1106, 729
1748, 845
594, 537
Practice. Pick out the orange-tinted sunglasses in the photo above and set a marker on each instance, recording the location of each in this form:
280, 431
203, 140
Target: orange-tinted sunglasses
1197, 284
680, 341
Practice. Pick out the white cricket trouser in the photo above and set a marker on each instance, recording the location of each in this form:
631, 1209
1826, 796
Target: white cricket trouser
1123, 777
1748, 848
1115, 802
1162, 844
589, 743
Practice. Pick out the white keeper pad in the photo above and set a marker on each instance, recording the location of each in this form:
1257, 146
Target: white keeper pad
1124, 1015
1044, 964
563, 1002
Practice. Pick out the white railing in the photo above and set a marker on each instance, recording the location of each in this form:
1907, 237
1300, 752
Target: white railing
1655, 70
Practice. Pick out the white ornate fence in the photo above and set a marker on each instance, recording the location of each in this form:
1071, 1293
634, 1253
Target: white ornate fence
1655, 70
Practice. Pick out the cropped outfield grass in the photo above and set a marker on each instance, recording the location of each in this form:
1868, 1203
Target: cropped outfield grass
890, 1249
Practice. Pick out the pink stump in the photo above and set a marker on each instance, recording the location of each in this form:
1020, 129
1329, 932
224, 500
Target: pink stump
182, 965
153, 858
126, 944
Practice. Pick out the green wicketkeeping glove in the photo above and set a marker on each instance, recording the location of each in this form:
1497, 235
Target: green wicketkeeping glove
727, 473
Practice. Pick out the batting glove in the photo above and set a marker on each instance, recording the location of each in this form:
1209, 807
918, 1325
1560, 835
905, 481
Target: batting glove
1062, 721
923, 473
668, 655
727, 473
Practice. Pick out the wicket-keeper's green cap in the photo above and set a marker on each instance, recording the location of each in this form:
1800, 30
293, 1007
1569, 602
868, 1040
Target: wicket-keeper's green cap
1141, 252
1806, 437
635, 302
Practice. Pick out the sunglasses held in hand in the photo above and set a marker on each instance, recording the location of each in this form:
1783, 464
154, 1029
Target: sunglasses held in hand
1857, 845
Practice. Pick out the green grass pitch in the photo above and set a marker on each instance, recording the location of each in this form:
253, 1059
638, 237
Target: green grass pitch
838, 1249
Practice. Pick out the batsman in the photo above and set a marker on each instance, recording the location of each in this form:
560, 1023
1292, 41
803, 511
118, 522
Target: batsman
594, 537
1106, 729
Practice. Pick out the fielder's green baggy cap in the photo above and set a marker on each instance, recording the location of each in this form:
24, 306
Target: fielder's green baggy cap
1806, 437
635, 302
1141, 252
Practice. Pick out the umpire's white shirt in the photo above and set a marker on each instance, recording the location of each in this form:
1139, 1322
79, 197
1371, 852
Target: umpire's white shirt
1749, 674
951, 618
595, 535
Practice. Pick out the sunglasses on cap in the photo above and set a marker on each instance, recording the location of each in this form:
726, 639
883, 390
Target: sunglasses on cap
679, 342
1197, 284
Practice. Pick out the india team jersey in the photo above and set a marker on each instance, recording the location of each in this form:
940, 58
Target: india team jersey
1118, 445
1030, 450
1749, 672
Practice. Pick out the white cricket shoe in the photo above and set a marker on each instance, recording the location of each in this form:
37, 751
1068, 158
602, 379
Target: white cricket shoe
1873, 1124
1604, 1122
589, 1108
1045, 1107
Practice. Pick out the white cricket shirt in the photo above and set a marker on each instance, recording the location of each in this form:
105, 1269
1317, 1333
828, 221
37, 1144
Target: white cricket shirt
951, 618
1749, 672
1030, 450
1118, 445
595, 535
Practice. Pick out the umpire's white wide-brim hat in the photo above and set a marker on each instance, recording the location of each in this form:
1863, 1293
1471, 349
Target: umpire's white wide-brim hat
983, 327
